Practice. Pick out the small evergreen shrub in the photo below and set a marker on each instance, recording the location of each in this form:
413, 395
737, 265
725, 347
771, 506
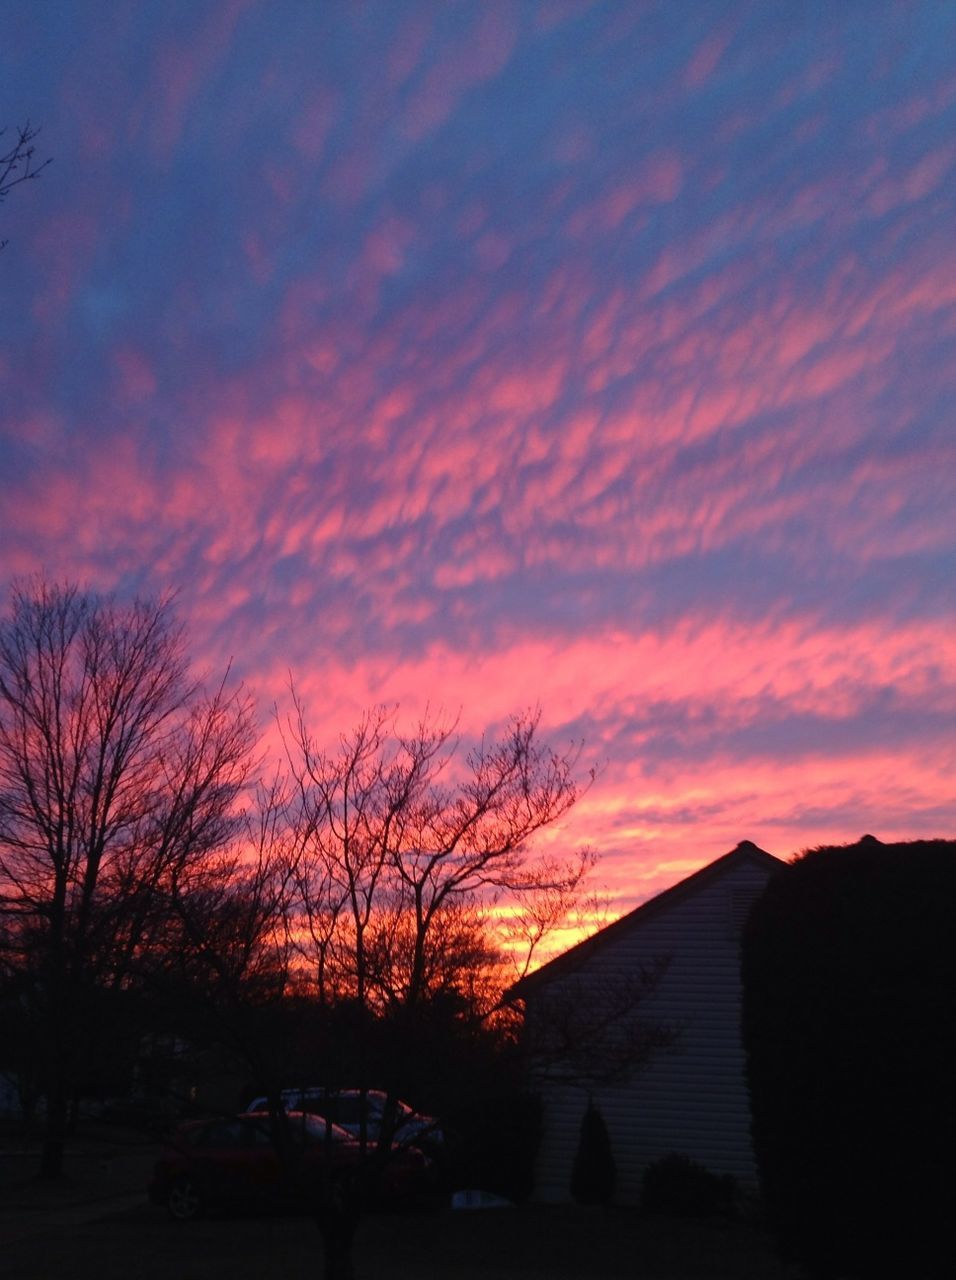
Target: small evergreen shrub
593, 1174
678, 1186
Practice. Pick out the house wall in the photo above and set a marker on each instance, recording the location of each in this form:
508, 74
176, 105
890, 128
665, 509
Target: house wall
692, 1096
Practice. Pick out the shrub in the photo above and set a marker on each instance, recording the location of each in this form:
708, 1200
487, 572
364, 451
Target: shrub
593, 1174
849, 978
677, 1185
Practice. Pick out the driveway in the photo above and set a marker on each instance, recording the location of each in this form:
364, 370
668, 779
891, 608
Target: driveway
105, 1173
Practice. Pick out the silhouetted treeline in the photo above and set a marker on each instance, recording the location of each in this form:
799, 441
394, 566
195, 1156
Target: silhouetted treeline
166, 908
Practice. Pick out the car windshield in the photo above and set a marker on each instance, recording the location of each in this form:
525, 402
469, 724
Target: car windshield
318, 1129
347, 1108
305, 1125
344, 1107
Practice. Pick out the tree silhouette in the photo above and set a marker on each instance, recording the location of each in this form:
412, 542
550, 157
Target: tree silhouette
403, 843
118, 776
17, 163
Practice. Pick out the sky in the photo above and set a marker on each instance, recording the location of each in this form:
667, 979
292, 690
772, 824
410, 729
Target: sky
472, 357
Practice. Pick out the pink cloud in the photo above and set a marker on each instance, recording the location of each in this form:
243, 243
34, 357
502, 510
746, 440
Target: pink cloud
313, 123
648, 818
523, 393
902, 117
480, 54
407, 48
658, 180
661, 177
472, 566
670, 829
183, 68
598, 674
66, 244
241, 491
705, 60
258, 256
920, 181
136, 378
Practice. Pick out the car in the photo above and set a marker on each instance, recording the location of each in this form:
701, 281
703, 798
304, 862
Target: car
344, 1107
233, 1162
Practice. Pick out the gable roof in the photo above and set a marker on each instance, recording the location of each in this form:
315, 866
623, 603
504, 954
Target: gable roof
575, 956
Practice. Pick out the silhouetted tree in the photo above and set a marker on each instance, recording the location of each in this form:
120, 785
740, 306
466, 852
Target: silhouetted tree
17, 163
223, 978
118, 777
849, 970
403, 845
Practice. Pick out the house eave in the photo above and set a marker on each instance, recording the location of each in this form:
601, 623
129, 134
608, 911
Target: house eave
569, 961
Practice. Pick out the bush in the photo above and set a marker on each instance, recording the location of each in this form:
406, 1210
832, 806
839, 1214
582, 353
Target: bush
679, 1186
593, 1174
849, 975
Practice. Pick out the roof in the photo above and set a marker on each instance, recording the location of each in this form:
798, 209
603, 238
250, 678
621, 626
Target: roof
575, 956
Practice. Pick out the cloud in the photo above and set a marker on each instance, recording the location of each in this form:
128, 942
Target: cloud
523, 353
184, 67
477, 54
705, 60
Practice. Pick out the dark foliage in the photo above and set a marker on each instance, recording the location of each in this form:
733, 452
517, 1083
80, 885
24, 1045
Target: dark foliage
439, 1059
593, 1174
849, 971
493, 1142
678, 1186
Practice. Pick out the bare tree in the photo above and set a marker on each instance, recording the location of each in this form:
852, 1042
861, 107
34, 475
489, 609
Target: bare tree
398, 833
118, 776
225, 960
17, 164
560, 900
405, 844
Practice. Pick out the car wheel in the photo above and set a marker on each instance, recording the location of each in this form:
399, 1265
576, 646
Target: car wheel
184, 1201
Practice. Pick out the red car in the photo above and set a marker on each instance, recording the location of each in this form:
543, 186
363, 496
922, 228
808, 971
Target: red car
234, 1163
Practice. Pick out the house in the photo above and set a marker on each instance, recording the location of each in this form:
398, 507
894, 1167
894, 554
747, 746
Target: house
643, 1019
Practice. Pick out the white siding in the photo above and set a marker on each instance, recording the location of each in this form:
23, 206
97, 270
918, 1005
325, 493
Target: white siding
692, 1097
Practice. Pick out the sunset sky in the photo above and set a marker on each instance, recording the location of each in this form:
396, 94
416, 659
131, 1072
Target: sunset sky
600, 356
